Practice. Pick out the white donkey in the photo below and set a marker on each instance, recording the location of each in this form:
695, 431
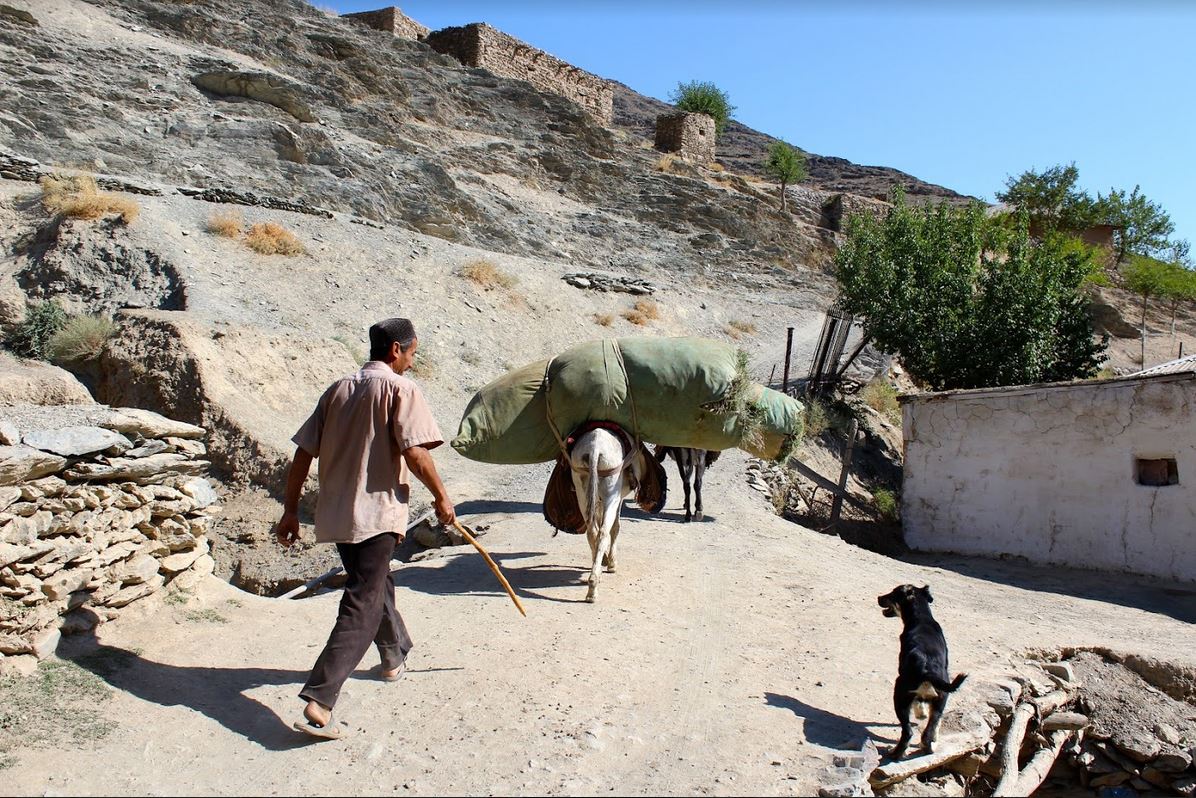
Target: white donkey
603, 473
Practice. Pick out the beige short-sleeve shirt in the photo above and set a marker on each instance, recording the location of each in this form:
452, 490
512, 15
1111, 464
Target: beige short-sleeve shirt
359, 430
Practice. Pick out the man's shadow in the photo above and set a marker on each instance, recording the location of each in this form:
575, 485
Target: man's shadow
218, 693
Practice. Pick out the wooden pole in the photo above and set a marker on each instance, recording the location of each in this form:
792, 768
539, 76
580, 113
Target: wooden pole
788, 353
493, 566
773, 373
837, 502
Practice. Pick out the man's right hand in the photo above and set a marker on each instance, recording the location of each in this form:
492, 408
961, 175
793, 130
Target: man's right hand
287, 530
445, 512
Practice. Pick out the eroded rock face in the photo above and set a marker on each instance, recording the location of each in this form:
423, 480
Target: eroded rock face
234, 381
99, 273
261, 86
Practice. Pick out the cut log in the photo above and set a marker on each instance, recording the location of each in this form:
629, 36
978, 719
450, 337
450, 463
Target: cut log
1036, 707
1036, 770
950, 748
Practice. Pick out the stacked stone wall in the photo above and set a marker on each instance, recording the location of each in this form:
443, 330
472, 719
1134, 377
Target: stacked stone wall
689, 135
836, 210
92, 519
390, 20
480, 45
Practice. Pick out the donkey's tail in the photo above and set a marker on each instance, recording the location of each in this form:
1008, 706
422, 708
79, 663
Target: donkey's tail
594, 522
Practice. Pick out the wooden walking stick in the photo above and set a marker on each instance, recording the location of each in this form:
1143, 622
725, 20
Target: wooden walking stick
493, 566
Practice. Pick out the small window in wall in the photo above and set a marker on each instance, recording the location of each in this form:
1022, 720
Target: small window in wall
1156, 471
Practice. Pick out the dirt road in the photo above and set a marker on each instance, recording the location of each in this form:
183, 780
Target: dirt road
727, 657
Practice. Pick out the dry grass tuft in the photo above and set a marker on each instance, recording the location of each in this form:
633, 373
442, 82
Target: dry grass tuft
81, 338
604, 319
882, 397
226, 223
644, 311
736, 329
78, 197
486, 275
665, 163
715, 166
271, 238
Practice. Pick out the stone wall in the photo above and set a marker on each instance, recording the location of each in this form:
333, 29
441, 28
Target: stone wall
92, 518
836, 209
390, 20
480, 45
687, 134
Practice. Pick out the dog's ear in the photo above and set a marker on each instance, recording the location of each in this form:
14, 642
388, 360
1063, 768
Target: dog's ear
924, 592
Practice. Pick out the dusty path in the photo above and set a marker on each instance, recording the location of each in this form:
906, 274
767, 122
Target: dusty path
728, 657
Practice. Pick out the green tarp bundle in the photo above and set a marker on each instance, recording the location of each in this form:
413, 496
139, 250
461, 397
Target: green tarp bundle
691, 392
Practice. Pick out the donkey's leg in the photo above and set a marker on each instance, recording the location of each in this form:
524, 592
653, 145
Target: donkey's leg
686, 470
699, 458
611, 504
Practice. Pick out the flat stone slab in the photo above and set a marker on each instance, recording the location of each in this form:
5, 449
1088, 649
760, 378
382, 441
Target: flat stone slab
148, 424
77, 441
22, 463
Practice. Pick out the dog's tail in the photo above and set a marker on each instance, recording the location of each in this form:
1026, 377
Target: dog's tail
950, 687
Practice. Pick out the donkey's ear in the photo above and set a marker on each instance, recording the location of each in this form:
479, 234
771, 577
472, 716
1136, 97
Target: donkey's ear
924, 591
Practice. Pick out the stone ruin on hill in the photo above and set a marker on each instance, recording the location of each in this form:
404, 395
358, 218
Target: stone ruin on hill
96, 512
480, 45
390, 20
688, 135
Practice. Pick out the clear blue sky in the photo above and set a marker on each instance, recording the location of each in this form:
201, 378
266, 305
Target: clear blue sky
960, 94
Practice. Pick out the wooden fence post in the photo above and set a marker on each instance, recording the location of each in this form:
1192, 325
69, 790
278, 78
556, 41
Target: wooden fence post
837, 503
788, 352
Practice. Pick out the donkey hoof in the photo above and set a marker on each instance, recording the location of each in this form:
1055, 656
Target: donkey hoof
590, 598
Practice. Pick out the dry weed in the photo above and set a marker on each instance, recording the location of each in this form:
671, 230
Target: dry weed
271, 238
79, 198
644, 311
882, 397
226, 223
736, 328
604, 319
81, 338
486, 275
665, 163
715, 166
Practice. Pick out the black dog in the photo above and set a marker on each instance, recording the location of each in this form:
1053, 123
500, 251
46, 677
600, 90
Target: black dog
922, 675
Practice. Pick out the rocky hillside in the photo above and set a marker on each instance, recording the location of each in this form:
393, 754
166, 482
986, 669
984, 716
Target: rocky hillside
744, 150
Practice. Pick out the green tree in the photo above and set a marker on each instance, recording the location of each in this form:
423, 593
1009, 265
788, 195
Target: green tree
1142, 226
703, 97
787, 164
1051, 198
1179, 286
965, 302
1147, 277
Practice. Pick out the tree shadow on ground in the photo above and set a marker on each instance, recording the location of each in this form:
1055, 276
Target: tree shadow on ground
825, 728
468, 574
1174, 599
218, 693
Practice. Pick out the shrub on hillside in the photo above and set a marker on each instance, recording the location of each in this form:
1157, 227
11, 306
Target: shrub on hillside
703, 97
736, 329
486, 275
644, 311
270, 238
81, 338
227, 224
604, 319
886, 503
32, 338
78, 197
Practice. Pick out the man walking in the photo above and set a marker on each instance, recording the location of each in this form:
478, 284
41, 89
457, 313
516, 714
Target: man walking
367, 431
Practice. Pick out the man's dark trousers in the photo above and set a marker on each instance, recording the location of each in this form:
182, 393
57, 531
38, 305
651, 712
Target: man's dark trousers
367, 615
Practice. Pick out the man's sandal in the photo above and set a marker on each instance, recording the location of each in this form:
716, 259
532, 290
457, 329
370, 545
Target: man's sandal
329, 731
